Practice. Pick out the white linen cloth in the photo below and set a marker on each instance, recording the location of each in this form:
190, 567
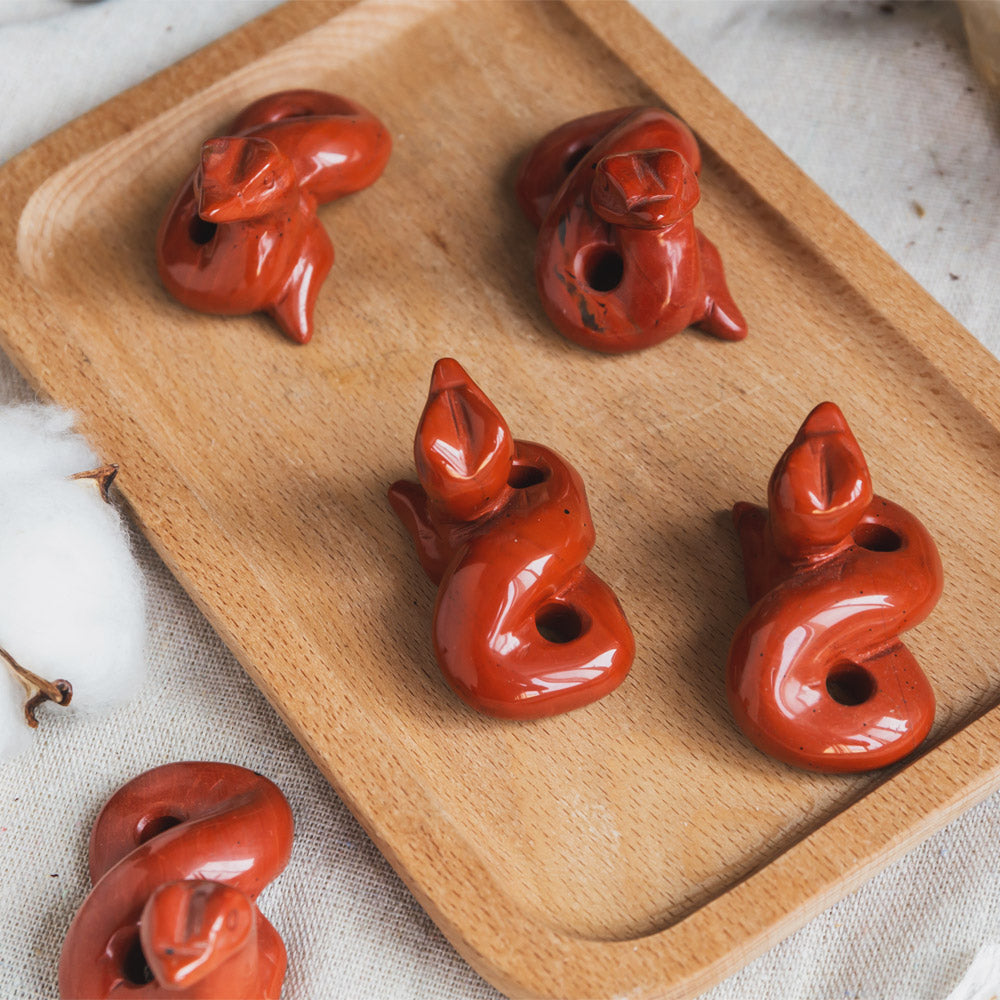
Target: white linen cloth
878, 103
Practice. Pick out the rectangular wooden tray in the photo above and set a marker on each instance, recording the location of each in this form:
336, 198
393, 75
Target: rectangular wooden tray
639, 846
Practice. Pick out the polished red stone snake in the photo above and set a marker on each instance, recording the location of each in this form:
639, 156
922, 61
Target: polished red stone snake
522, 628
242, 235
817, 674
178, 857
619, 264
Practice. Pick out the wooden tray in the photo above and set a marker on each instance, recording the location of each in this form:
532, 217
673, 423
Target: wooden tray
640, 846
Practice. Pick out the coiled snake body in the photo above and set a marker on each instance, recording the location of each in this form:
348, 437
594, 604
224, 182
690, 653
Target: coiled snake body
241, 234
619, 264
817, 674
178, 857
522, 628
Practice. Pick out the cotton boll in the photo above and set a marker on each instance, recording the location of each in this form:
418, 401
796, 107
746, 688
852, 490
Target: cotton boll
70, 600
39, 441
71, 597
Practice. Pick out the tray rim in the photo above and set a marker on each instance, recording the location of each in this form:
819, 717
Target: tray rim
519, 955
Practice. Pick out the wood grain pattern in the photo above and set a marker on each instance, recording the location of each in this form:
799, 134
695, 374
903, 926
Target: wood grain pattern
639, 846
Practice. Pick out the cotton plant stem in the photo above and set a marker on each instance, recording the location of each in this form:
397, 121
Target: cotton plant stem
104, 477
59, 692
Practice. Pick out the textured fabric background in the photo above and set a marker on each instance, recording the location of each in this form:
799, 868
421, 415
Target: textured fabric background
876, 102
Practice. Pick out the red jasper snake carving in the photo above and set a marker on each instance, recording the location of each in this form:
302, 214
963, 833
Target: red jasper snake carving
619, 263
242, 235
177, 857
817, 675
522, 628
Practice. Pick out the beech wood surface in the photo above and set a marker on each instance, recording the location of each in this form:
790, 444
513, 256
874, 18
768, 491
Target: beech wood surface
640, 846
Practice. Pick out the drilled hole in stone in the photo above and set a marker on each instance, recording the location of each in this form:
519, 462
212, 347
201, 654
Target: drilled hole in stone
876, 537
575, 157
153, 826
523, 476
603, 268
559, 623
135, 968
200, 231
850, 684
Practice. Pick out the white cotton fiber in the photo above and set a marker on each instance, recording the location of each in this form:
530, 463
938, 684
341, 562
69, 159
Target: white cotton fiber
71, 598
39, 441
982, 979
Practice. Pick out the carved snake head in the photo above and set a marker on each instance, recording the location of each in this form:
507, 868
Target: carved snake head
647, 189
241, 178
820, 487
192, 927
463, 447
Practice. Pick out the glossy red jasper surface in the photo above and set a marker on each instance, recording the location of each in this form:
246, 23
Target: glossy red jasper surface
817, 674
178, 857
522, 628
241, 234
619, 264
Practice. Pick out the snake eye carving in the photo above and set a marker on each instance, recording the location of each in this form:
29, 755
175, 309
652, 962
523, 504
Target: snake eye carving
817, 673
